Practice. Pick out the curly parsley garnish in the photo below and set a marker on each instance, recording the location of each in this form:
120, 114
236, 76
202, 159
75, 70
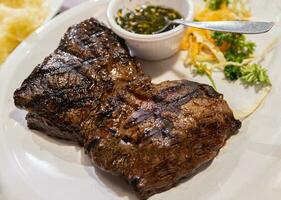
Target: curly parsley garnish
249, 74
237, 49
232, 72
254, 75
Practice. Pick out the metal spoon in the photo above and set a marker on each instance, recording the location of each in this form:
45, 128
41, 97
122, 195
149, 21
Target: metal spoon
244, 27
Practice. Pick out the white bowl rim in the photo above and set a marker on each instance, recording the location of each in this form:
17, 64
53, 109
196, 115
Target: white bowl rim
141, 37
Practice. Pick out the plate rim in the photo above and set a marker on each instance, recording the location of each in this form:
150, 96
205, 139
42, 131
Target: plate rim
55, 6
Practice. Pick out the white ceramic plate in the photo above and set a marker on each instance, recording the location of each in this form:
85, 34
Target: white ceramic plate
34, 167
54, 6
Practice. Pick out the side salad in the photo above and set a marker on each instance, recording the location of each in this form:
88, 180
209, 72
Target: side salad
230, 53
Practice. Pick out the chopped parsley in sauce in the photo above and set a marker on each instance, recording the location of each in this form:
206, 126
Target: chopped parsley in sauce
147, 19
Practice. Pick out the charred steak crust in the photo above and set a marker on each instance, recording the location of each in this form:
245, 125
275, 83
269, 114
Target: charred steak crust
154, 142
91, 91
90, 64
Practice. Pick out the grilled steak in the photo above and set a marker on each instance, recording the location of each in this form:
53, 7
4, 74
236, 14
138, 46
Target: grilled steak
90, 90
90, 64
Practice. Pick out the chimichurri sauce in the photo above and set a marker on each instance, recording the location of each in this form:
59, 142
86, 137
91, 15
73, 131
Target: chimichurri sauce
147, 19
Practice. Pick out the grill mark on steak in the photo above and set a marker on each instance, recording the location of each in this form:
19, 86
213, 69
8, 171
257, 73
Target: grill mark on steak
172, 105
91, 91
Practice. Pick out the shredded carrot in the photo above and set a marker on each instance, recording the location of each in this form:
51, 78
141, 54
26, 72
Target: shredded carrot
199, 42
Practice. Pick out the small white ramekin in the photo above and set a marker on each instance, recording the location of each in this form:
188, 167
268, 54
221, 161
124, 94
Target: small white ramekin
157, 46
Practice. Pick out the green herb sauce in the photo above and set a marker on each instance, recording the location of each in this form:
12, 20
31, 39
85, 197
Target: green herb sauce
147, 19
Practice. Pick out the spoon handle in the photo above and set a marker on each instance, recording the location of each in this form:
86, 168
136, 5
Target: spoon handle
245, 27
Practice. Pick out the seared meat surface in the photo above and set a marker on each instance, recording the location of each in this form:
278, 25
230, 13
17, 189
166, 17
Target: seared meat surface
91, 91
90, 64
